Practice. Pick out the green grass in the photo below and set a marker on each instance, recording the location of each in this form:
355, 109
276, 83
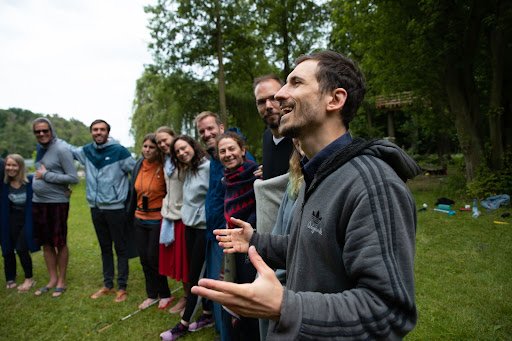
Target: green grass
463, 270
463, 282
75, 316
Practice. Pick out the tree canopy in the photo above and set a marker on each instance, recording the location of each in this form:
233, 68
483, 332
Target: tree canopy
449, 57
16, 131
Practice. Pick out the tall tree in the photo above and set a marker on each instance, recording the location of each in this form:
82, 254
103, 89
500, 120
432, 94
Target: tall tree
291, 28
200, 37
171, 100
440, 50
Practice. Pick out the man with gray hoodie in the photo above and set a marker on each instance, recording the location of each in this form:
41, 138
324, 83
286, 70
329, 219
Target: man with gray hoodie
54, 173
107, 169
349, 255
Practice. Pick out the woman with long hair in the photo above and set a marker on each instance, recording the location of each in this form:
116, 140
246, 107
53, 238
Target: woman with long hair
194, 168
173, 261
148, 191
16, 222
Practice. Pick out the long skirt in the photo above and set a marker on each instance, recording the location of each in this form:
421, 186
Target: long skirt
173, 260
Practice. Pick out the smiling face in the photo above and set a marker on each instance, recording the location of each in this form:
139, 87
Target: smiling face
164, 141
149, 150
231, 155
12, 168
301, 101
209, 129
184, 151
268, 106
42, 132
99, 133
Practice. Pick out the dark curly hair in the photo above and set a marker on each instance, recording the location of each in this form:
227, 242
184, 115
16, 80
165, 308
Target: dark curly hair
337, 71
197, 159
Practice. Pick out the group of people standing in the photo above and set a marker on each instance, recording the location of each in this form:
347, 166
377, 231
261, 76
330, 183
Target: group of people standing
157, 207
34, 210
332, 256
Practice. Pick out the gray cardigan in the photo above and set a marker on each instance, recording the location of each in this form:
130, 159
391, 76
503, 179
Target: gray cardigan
195, 187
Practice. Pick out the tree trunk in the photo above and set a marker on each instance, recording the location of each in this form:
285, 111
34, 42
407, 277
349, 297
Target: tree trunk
465, 121
286, 39
391, 126
220, 60
496, 104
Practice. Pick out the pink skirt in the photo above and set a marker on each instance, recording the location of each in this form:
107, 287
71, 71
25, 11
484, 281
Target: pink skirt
173, 261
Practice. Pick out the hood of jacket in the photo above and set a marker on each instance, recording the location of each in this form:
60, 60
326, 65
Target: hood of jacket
404, 166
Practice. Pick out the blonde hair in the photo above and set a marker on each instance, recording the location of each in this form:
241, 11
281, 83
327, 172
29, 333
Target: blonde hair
202, 115
21, 177
296, 177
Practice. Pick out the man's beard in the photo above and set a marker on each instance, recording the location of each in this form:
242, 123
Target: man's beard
272, 124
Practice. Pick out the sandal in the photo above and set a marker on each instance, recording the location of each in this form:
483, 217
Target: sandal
10, 285
58, 292
27, 285
148, 302
41, 291
121, 296
165, 303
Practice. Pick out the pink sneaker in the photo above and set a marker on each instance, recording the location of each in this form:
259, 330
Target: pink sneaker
204, 321
172, 334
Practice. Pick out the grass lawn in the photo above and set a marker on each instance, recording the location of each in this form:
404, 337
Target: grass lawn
75, 316
463, 282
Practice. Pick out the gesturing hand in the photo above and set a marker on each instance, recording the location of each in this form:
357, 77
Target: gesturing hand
261, 298
235, 240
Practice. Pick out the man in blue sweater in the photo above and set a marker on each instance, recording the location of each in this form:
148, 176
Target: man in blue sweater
107, 169
350, 252
209, 126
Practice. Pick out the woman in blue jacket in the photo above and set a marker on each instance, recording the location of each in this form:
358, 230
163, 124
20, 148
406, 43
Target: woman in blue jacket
16, 222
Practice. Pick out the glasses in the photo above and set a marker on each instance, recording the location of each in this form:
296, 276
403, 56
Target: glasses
262, 101
42, 131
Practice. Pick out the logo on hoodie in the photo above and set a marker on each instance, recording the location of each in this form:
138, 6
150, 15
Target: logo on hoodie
315, 222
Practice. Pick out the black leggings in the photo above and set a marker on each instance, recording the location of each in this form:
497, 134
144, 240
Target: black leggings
196, 248
18, 243
147, 244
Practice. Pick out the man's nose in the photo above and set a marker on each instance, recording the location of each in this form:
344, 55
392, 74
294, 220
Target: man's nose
281, 94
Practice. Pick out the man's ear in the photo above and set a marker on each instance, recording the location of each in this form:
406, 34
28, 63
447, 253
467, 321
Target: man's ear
337, 99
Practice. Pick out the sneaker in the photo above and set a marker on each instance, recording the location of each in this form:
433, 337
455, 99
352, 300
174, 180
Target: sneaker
178, 331
204, 321
102, 292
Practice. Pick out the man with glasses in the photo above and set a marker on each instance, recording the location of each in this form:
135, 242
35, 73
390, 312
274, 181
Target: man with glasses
54, 173
276, 148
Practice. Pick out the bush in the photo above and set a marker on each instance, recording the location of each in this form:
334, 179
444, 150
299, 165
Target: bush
488, 182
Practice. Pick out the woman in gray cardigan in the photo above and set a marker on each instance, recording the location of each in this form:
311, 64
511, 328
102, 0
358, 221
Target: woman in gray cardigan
194, 168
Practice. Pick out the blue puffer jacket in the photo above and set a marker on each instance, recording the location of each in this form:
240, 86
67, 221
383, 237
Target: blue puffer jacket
107, 169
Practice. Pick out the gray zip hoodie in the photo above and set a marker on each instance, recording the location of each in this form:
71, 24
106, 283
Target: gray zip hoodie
350, 252
60, 172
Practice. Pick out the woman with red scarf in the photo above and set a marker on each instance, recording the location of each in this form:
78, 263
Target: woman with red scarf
239, 202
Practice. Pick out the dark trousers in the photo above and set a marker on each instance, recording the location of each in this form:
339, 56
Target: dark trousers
147, 239
110, 226
18, 243
196, 248
246, 328
214, 260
